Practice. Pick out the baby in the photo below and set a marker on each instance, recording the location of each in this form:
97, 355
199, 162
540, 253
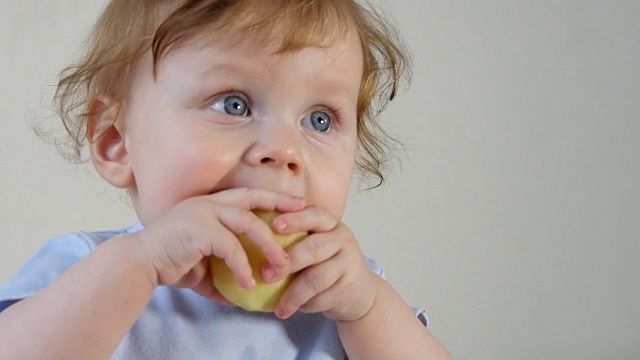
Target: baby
205, 110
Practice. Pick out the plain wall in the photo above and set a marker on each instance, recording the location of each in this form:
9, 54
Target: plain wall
514, 219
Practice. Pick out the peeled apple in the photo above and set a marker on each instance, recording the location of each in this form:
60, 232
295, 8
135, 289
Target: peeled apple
263, 296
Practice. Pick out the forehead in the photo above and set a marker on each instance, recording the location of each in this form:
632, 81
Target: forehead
331, 45
339, 63
287, 25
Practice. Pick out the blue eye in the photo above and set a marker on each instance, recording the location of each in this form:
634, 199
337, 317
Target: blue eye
233, 105
319, 121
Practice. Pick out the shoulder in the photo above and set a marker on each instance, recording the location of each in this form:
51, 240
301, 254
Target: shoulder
55, 257
69, 248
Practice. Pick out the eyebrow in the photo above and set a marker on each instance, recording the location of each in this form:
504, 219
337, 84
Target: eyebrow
235, 68
329, 82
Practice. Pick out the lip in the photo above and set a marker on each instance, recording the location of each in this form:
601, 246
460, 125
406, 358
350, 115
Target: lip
282, 188
288, 192
267, 180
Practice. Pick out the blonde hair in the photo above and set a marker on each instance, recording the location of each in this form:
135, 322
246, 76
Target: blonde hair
128, 29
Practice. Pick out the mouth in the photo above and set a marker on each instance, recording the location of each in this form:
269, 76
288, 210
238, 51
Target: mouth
287, 191
263, 180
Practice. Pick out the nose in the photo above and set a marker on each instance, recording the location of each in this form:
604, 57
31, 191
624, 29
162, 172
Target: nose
276, 148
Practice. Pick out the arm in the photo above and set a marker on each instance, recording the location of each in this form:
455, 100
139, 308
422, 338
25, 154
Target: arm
373, 321
85, 313
389, 330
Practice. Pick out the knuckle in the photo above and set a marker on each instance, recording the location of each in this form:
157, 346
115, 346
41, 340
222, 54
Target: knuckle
314, 249
312, 279
235, 196
235, 252
318, 213
326, 219
250, 221
343, 230
312, 305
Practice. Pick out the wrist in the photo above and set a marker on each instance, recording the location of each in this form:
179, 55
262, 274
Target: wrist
133, 257
370, 305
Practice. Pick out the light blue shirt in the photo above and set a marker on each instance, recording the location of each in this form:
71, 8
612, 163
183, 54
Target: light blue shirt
180, 324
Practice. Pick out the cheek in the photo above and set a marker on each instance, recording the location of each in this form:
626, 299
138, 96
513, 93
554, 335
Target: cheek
175, 168
330, 188
342, 179
191, 164
337, 201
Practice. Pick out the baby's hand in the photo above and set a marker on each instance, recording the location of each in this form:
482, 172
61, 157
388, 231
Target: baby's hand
179, 244
334, 277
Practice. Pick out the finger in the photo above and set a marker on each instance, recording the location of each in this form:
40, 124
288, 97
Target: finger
313, 250
244, 222
306, 286
195, 276
326, 302
326, 239
179, 261
227, 247
312, 219
343, 301
206, 288
255, 198
214, 295
218, 297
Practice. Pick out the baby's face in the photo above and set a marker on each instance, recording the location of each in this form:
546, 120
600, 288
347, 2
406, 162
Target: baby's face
220, 116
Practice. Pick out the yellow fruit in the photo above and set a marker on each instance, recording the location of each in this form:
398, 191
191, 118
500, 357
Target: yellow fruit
263, 296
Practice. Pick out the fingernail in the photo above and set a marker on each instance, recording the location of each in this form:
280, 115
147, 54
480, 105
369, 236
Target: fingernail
268, 273
280, 225
281, 313
252, 283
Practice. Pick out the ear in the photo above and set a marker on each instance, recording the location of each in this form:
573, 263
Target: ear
107, 145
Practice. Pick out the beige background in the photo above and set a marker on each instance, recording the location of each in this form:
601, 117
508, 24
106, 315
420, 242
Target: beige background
515, 218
